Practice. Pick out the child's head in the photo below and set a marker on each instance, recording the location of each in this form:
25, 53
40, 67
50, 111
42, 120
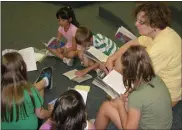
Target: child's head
83, 37
136, 66
65, 16
13, 69
69, 111
13, 82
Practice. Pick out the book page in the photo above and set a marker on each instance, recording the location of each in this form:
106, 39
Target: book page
39, 56
29, 58
98, 54
115, 80
99, 83
83, 90
92, 57
70, 74
127, 32
83, 78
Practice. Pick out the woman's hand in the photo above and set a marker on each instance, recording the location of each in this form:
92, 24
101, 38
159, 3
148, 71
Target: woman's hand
110, 62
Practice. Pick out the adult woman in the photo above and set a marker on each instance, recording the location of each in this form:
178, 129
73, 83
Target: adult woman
162, 43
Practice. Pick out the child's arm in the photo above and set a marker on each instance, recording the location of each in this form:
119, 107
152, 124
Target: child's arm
59, 35
86, 70
42, 113
74, 46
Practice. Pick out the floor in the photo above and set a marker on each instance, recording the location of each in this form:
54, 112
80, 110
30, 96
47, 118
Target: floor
25, 24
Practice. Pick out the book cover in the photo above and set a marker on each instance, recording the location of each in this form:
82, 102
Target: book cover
124, 35
54, 43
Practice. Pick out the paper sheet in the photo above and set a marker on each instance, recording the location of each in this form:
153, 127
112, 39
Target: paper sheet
53, 101
70, 74
83, 90
29, 58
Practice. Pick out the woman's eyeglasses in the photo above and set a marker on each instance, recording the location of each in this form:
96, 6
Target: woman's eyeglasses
141, 22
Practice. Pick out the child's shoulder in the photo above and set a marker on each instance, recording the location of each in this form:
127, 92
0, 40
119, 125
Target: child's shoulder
73, 27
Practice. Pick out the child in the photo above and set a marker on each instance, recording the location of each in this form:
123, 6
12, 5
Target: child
21, 103
67, 29
148, 105
85, 39
69, 113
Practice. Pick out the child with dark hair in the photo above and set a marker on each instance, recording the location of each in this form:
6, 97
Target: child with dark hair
69, 113
21, 102
85, 38
67, 29
146, 103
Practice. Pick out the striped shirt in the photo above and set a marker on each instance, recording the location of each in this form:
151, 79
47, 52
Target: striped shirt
104, 44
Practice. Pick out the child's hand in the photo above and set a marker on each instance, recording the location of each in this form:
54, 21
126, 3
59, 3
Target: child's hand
50, 107
80, 73
103, 68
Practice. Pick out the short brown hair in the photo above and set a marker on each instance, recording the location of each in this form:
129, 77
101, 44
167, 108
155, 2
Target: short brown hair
83, 35
157, 14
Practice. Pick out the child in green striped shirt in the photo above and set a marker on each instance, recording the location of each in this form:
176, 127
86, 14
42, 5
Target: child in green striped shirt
85, 39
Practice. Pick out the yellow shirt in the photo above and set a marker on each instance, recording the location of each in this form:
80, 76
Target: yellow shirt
165, 53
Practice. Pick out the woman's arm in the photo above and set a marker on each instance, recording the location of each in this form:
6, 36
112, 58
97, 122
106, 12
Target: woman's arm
110, 61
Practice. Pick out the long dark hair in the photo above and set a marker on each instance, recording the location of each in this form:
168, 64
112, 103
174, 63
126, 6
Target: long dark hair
67, 13
13, 83
69, 112
137, 67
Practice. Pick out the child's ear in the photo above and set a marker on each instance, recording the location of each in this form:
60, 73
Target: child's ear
91, 39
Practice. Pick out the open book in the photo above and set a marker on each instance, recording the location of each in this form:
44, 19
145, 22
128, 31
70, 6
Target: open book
54, 43
112, 84
28, 56
83, 90
95, 54
124, 35
72, 76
